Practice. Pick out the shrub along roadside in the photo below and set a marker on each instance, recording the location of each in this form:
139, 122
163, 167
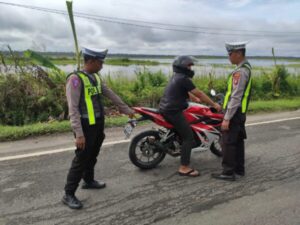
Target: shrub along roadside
9, 133
39, 95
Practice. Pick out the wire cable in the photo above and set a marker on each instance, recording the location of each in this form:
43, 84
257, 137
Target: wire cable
160, 26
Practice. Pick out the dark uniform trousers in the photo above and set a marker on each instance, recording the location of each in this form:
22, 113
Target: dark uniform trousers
185, 132
85, 160
233, 145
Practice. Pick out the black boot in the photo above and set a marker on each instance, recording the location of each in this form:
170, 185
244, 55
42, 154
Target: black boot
72, 201
93, 185
240, 173
221, 176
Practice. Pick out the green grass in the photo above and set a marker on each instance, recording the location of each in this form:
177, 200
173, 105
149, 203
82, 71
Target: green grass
20, 132
108, 61
274, 105
9, 133
297, 65
127, 62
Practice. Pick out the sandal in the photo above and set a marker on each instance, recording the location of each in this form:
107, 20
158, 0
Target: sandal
189, 173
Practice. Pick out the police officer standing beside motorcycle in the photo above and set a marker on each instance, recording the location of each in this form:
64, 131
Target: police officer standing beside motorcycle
235, 105
84, 91
174, 102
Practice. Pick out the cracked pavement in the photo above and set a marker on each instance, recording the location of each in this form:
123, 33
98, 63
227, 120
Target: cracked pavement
31, 188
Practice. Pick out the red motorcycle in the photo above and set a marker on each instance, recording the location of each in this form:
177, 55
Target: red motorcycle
148, 148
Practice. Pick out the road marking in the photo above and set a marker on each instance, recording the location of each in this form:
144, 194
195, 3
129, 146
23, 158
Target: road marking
271, 121
6, 158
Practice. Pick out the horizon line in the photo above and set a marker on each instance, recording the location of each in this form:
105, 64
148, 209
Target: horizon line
154, 55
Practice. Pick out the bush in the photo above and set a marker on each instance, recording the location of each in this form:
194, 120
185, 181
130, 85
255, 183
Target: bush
39, 95
28, 99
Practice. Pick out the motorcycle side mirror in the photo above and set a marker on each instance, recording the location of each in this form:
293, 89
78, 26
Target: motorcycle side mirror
213, 92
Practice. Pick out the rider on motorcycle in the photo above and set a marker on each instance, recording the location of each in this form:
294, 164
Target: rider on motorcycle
175, 101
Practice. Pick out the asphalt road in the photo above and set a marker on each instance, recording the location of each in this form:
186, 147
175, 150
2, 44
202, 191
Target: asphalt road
31, 188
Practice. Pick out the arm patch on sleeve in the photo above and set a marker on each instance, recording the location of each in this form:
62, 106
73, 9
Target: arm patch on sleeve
236, 78
75, 82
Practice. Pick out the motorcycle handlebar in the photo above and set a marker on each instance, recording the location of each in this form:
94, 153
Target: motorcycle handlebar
135, 121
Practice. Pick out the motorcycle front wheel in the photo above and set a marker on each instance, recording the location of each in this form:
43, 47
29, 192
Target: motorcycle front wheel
145, 151
216, 148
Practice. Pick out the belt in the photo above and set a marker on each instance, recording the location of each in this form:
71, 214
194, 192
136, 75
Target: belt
86, 116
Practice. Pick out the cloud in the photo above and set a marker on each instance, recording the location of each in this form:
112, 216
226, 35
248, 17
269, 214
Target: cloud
25, 28
237, 3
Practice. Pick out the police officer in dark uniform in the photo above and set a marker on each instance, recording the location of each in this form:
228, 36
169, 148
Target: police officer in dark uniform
235, 105
174, 101
84, 91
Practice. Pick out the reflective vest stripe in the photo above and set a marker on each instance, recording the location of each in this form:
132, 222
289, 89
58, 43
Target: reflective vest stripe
246, 96
245, 99
228, 93
89, 91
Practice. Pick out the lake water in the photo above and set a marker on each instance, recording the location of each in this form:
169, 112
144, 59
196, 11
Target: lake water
210, 61
203, 67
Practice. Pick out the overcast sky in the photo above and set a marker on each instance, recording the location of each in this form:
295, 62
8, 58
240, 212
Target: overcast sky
276, 24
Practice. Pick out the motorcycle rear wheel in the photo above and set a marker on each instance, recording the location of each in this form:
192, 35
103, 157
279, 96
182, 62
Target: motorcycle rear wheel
144, 146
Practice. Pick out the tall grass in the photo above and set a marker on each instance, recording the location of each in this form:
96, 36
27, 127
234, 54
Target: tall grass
279, 77
35, 94
145, 89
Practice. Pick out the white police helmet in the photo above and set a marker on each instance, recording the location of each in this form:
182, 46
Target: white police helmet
96, 53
